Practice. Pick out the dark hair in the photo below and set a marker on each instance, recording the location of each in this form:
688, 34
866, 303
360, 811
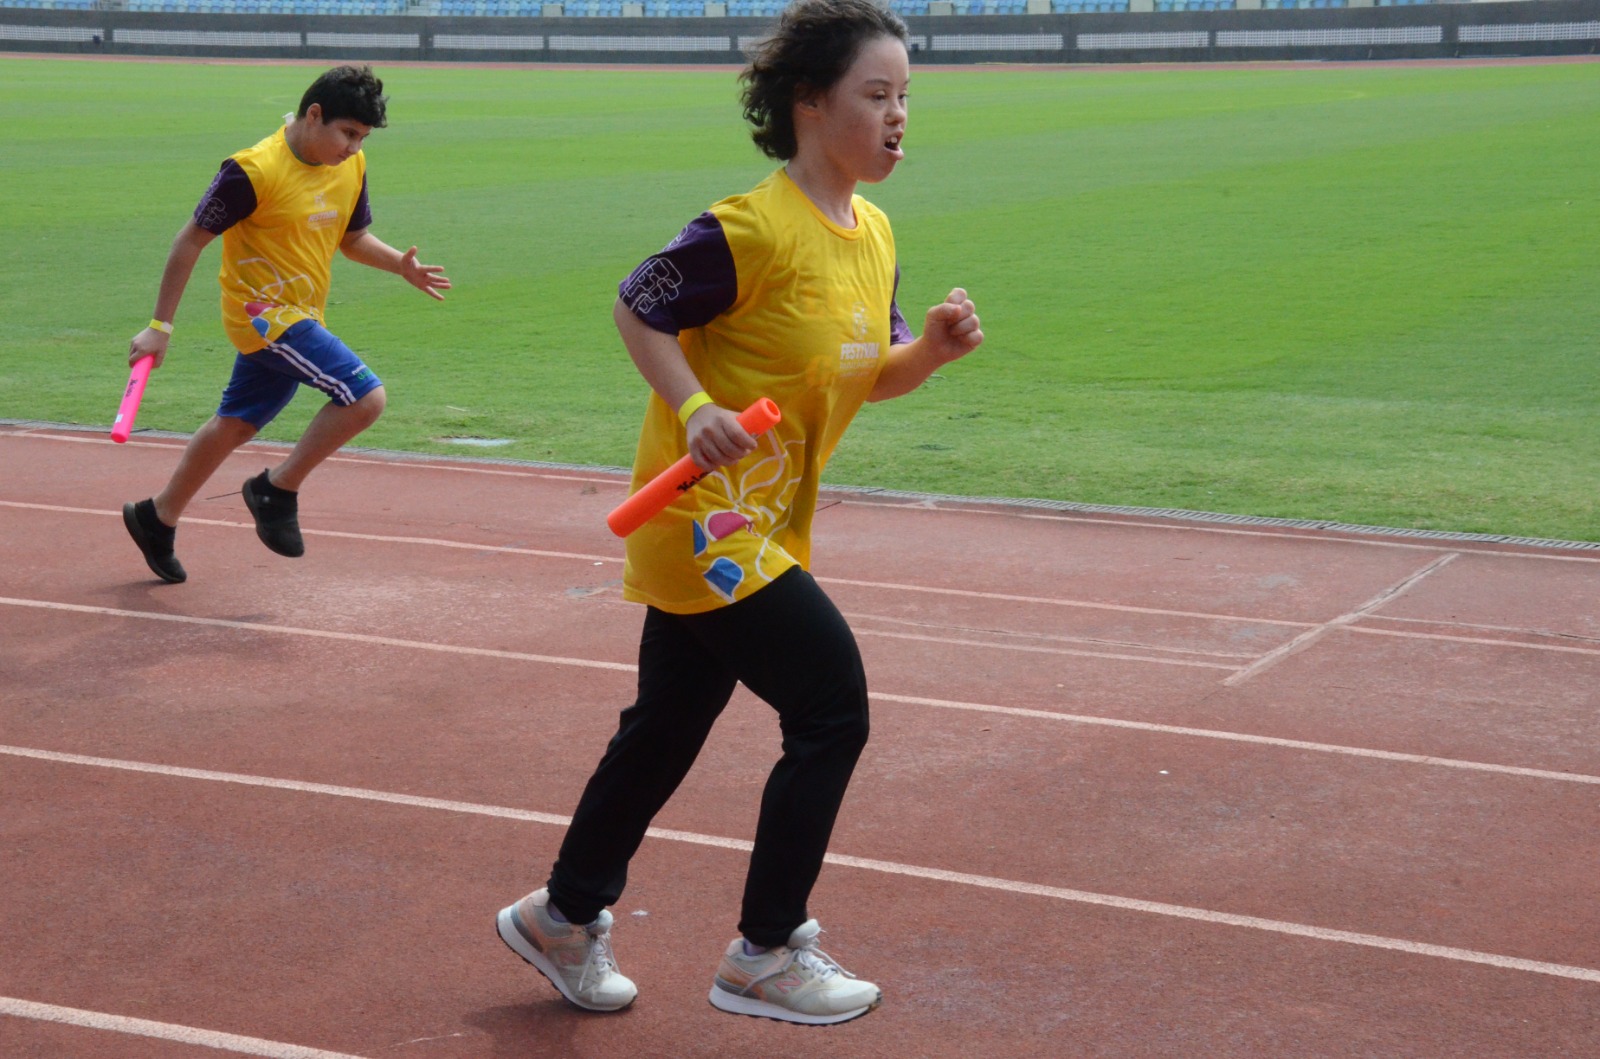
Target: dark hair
352, 92
813, 46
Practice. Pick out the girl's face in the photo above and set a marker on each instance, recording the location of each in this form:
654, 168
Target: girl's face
862, 118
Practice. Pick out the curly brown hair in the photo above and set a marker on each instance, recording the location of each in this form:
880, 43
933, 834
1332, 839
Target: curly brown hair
814, 44
352, 92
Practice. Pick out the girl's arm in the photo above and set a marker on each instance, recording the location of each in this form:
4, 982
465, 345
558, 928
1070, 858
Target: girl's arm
715, 437
365, 248
950, 331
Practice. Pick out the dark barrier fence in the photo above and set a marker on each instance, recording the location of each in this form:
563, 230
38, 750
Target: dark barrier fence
1433, 31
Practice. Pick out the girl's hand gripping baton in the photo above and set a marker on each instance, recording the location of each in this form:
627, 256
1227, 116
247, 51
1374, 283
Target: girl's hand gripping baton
681, 477
122, 426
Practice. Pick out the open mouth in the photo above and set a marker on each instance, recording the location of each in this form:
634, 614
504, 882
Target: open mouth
892, 145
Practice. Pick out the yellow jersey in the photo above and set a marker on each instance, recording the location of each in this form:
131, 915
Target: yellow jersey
769, 298
281, 222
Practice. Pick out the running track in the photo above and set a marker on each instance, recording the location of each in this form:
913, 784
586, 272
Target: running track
1136, 787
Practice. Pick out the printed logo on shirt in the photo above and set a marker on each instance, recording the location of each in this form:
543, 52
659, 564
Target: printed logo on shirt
859, 357
653, 283
324, 219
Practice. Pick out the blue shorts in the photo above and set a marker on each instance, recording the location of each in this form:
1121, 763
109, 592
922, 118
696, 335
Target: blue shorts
264, 382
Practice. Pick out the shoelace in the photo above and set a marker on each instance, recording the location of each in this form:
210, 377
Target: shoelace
818, 962
600, 962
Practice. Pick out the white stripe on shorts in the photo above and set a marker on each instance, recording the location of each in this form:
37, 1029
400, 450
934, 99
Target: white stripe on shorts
314, 375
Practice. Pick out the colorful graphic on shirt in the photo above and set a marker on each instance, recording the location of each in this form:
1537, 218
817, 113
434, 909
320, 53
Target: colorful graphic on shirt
724, 576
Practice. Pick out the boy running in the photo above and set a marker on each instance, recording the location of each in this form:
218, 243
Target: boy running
282, 207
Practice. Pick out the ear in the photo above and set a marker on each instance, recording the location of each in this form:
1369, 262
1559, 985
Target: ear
314, 113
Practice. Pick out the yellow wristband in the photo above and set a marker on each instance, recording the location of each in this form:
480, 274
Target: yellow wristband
692, 405
161, 325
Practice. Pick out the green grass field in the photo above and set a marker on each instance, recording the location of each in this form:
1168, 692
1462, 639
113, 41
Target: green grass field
1357, 293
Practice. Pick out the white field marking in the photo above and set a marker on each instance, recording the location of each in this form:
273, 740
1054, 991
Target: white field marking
1550, 634
1047, 650
1053, 638
966, 593
1238, 737
1053, 602
432, 542
869, 584
511, 550
99, 1020
325, 634
1487, 548
174, 443
990, 882
1370, 631
954, 506
977, 707
1310, 636
1228, 919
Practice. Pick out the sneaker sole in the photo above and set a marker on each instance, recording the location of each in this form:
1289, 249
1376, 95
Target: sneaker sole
518, 944
735, 1004
136, 531
261, 533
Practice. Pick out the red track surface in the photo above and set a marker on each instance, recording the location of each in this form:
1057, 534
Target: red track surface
1135, 787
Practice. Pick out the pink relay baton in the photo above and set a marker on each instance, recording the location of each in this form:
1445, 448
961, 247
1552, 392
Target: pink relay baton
682, 476
122, 426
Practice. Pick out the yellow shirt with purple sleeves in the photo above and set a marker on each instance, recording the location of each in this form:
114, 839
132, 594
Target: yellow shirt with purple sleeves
281, 222
769, 298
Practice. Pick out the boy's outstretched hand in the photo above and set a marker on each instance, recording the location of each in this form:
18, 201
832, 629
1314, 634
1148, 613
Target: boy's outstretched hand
429, 279
951, 328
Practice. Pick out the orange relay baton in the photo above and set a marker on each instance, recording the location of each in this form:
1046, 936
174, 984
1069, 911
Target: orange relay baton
681, 477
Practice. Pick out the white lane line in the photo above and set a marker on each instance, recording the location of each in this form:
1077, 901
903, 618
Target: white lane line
1483, 640
324, 634
990, 882
1077, 653
1553, 634
1016, 635
1227, 919
879, 696
226, 1042
1240, 737
1484, 548
1310, 636
1053, 602
891, 586
894, 586
178, 443
432, 542
953, 505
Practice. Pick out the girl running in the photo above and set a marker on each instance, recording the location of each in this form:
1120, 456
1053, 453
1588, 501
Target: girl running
788, 292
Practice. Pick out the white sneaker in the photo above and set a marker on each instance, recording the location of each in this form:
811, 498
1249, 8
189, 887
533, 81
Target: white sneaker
797, 982
576, 959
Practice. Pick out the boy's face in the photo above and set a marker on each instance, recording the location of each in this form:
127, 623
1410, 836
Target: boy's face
332, 142
864, 115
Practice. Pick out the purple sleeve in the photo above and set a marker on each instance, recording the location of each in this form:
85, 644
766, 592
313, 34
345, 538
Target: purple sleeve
688, 284
230, 199
362, 217
899, 331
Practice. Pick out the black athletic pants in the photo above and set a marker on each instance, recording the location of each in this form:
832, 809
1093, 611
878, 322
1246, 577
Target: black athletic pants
789, 645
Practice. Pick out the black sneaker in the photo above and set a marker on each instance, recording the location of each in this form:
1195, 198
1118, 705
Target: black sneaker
154, 539
276, 513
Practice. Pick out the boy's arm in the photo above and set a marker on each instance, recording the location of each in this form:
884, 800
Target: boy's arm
186, 247
715, 437
365, 248
950, 331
